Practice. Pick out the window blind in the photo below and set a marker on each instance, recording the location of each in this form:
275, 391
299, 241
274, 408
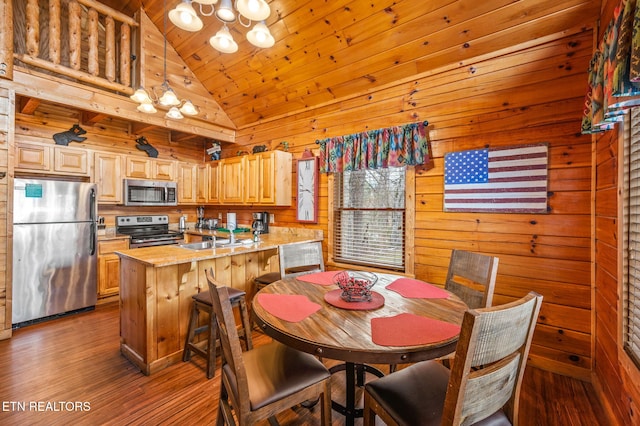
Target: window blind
631, 301
369, 217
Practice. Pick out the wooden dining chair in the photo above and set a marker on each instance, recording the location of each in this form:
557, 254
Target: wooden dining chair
483, 386
295, 259
472, 277
258, 384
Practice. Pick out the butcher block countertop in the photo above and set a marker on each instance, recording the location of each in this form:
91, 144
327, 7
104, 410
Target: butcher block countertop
172, 255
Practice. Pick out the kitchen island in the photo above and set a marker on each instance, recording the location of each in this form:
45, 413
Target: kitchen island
157, 283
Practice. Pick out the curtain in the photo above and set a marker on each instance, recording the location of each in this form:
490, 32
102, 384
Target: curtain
406, 145
614, 71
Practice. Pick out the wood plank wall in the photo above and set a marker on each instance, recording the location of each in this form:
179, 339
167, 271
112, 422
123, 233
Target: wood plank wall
6, 215
531, 93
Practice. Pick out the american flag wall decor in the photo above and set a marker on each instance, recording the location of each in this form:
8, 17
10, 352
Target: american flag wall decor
497, 180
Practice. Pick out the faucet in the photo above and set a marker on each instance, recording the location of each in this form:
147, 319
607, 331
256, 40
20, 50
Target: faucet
232, 237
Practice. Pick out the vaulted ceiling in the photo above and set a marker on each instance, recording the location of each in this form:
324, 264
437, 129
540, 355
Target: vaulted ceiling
331, 50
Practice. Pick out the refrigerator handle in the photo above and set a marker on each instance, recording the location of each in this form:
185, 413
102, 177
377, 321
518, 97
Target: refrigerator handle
94, 223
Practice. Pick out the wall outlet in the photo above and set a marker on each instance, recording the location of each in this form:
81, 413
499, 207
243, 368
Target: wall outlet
272, 218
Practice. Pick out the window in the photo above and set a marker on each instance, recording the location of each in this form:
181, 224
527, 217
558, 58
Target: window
369, 218
631, 300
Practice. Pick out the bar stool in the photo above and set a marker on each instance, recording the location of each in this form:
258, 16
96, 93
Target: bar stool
202, 303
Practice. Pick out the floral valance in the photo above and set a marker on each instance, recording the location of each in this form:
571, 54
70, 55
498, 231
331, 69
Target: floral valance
614, 71
397, 146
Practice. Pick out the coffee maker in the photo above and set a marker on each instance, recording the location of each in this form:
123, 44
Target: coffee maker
200, 214
260, 222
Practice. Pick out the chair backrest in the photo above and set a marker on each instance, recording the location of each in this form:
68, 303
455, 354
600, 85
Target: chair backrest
300, 258
233, 370
472, 277
490, 359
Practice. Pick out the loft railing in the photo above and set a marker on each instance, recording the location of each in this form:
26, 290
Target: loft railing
80, 39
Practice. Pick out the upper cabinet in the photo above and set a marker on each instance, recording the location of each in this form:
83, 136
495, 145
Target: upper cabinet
232, 180
258, 179
149, 168
187, 183
107, 174
51, 159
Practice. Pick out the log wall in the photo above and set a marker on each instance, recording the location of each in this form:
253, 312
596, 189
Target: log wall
6, 212
530, 93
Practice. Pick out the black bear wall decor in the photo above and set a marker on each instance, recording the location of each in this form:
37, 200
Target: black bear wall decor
143, 145
259, 148
71, 135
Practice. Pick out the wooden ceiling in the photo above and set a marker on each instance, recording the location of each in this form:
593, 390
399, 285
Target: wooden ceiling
332, 50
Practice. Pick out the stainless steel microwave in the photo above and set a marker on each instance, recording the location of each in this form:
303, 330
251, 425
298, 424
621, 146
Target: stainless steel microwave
138, 192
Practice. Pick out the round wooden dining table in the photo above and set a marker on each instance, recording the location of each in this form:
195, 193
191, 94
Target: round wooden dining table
346, 334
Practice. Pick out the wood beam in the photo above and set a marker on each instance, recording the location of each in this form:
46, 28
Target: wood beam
92, 117
28, 105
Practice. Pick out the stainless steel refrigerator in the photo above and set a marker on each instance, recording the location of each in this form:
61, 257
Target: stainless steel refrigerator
54, 248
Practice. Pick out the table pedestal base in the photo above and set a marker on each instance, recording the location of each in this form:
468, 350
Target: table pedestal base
355, 377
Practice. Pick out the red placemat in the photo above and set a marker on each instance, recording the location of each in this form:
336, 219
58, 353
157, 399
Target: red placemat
333, 298
289, 307
410, 330
416, 289
320, 278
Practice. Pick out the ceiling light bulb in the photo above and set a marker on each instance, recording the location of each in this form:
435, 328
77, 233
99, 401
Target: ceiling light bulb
174, 113
225, 11
206, 1
140, 96
260, 36
147, 108
255, 10
189, 109
185, 17
223, 41
169, 98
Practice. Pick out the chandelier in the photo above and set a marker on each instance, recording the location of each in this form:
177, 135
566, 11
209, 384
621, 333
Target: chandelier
184, 16
177, 108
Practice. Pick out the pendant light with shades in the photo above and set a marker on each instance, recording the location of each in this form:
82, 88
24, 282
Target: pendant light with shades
184, 16
168, 98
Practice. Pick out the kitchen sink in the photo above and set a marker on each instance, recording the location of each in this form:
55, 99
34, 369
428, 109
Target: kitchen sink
219, 243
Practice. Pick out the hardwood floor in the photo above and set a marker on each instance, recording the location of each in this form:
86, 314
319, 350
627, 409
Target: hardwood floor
70, 371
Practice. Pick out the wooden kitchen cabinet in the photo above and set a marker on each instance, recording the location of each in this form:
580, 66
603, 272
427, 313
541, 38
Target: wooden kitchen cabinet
274, 183
109, 266
149, 168
203, 182
252, 179
107, 175
51, 159
232, 180
261, 179
187, 183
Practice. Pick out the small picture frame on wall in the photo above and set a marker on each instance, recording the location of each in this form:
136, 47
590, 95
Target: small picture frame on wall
307, 194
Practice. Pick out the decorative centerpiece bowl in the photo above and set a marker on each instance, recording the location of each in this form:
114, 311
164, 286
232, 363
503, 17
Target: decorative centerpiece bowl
355, 285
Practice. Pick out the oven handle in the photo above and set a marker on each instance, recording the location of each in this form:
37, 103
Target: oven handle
156, 243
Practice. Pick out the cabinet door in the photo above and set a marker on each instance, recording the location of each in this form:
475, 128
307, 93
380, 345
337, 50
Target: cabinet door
71, 161
232, 180
137, 167
213, 190
267, 178
187, 183
163, 169
202, 183
108, 177
109, 266
33, 157
252, 179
